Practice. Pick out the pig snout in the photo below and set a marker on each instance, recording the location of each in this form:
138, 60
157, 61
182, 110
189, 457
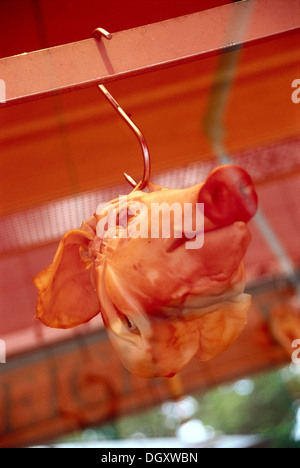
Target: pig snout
228, 196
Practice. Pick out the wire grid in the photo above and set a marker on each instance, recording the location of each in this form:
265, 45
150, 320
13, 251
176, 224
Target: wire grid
47, 223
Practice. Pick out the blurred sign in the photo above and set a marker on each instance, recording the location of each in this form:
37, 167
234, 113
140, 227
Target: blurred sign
57, 390
80, 383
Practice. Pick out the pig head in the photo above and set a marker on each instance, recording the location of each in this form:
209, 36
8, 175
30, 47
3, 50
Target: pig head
163, 299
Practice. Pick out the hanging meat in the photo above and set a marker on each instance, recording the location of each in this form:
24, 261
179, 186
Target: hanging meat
164, 297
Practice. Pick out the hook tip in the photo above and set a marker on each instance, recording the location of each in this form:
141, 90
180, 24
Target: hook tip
130, 180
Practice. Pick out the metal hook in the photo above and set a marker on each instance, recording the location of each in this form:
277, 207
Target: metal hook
146, 156
99, 32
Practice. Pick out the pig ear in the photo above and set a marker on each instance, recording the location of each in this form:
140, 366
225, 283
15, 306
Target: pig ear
67, 296
228, 195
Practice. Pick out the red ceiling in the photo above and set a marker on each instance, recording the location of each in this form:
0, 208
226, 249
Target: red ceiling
28, 25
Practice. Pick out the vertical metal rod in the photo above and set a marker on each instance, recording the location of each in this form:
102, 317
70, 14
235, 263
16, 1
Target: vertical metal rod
214, 127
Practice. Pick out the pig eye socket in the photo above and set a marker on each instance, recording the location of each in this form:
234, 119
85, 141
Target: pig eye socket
132, 327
